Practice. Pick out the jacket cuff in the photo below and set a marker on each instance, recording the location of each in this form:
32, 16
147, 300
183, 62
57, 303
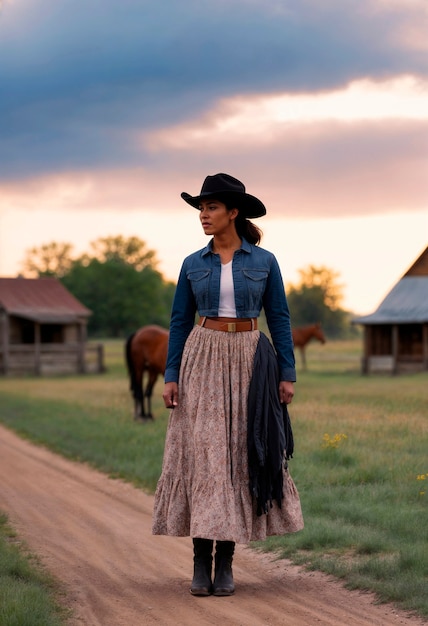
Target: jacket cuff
171, 375
288, 373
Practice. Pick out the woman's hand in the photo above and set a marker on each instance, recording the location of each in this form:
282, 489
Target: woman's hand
170, 395
286, 391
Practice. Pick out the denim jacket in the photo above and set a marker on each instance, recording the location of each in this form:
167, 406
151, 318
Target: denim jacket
257, 283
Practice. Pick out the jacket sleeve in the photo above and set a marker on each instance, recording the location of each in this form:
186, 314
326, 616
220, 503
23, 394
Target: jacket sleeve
181, 324
278, 318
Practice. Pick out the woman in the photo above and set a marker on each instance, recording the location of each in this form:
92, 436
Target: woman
222, 481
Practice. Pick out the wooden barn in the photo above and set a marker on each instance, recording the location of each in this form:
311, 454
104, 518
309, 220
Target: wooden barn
396, 334
43, 329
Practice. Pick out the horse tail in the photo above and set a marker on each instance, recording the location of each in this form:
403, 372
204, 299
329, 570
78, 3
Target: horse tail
133, 386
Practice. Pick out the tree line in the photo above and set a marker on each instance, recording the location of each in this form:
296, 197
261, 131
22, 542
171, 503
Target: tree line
119, 282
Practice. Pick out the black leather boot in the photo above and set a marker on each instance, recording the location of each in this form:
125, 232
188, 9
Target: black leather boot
223, 580
202, 566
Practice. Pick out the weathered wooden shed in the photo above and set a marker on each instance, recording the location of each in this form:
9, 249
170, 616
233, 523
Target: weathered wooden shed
43, 329
396, 334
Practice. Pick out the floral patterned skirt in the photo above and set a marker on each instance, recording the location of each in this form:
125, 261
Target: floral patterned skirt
203, 490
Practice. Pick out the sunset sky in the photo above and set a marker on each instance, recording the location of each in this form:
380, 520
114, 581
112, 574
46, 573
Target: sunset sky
109, 110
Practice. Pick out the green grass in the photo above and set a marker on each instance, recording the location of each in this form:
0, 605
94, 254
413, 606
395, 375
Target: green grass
360, 460
28, 595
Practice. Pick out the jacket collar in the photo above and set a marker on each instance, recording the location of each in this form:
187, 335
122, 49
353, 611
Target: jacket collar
245, 246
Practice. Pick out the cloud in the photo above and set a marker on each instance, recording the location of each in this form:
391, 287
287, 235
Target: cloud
80, 80
260, 118
332, 169
109, 110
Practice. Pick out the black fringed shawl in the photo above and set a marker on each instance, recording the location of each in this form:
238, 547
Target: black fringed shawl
269, 436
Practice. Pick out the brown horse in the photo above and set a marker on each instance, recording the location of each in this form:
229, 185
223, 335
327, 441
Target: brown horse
303, 334
145, 351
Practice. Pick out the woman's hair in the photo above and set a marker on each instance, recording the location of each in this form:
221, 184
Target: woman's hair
248, 230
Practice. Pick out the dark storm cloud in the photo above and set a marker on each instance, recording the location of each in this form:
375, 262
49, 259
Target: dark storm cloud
79, 78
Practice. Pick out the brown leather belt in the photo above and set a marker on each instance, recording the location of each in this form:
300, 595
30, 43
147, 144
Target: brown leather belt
229, 324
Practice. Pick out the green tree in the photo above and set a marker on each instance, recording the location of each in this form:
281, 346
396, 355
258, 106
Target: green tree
324, 280
118, 282
317, 298
131, 250
50, 259
121, 298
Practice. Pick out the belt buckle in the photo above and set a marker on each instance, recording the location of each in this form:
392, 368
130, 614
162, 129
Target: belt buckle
231, 327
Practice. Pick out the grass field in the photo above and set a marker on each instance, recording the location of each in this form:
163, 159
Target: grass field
28, 595
360, 460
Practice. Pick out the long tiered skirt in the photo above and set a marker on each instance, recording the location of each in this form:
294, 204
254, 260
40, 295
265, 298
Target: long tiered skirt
203, 490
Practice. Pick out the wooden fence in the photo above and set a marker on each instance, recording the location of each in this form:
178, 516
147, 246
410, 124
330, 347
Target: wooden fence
51, 359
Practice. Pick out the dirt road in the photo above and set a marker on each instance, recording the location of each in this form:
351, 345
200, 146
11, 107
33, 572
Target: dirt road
94, 535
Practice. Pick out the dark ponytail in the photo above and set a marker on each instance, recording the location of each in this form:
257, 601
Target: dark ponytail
252, 233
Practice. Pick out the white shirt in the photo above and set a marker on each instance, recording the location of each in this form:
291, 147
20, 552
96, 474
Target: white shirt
226, 306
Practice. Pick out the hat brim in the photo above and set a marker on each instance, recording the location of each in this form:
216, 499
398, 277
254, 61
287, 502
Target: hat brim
248, 205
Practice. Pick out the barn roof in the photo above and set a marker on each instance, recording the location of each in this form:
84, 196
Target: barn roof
43, 300
407, 302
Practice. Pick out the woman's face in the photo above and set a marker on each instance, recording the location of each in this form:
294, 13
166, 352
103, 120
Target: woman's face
215, 218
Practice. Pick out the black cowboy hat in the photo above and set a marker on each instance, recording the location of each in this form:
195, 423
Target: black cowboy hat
229, 190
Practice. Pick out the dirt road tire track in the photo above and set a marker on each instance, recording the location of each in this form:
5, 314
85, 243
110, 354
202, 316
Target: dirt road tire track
94, 535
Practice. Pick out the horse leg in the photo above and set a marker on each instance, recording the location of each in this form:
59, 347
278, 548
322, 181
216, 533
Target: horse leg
148, 394
138, 394
138, 407
302, 352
